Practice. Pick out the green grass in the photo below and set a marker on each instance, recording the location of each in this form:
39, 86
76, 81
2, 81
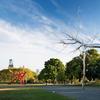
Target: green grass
30, 94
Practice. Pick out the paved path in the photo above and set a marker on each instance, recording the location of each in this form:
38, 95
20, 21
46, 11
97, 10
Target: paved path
89, 93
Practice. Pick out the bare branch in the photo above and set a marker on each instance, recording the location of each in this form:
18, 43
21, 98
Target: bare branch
93, 46
79, 47
65, 43
73, 41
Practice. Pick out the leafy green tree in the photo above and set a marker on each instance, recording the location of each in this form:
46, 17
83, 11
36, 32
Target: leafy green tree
5, 75
74, 69
92, 56
51, 70
61, 78
43, 76
97, 69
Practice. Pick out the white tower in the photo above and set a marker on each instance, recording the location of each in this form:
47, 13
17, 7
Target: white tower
10, 63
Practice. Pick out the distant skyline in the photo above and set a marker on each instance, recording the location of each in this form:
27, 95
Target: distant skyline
30, 30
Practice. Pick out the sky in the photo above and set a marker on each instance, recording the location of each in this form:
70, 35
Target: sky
30, 30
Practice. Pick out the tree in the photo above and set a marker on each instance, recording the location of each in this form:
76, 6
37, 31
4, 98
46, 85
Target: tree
43, 75
91, 59
51, 70
61, 77
74, 69
97, 68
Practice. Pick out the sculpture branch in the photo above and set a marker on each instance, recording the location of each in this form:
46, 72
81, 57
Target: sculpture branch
72, 41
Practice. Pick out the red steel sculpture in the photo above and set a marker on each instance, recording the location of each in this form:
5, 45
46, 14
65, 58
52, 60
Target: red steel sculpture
19, 76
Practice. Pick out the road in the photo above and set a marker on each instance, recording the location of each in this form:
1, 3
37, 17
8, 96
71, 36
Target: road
89, 93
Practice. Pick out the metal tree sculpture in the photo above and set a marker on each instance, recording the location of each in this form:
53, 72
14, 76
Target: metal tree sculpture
70, 40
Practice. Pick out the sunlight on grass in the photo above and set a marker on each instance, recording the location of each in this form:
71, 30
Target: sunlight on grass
30, 94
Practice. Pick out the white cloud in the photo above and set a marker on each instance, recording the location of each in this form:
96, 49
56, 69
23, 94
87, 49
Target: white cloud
30, 48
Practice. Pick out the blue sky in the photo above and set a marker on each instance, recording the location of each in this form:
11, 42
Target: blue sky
31, 29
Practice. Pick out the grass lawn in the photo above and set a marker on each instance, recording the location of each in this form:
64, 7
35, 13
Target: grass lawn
30, 94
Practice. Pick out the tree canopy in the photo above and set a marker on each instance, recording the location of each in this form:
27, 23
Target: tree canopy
53, 68
74, 68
